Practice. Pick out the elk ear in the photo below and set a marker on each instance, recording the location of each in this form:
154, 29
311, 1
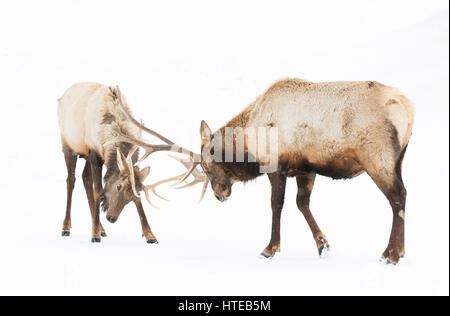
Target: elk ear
143, 174
205, 133
122, 162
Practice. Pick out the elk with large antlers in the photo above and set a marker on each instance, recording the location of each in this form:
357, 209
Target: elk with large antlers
337, 129
96, 124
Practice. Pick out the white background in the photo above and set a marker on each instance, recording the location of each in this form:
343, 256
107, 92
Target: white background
184, 61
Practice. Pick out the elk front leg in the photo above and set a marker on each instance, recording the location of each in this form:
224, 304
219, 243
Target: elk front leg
305, 185
88, 186
71, 158
278, 183
96, 164
146, 230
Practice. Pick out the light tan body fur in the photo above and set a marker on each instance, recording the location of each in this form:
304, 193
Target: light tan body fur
333, 123
82, 112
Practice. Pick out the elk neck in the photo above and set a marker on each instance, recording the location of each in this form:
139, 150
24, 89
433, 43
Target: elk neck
240, 171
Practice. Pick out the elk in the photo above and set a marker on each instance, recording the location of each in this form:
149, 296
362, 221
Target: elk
334, 129
96, 124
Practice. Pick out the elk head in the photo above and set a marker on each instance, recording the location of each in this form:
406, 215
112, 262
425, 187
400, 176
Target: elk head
123, 186
212, 165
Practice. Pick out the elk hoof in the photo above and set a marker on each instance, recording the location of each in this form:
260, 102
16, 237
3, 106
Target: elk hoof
264, 255
391, 257
387, 261
324, 251
104, 234
270, 251
65, 233
152, 241
96, 240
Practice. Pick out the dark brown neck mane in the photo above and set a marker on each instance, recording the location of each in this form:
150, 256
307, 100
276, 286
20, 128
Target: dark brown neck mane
111, 160
241, 171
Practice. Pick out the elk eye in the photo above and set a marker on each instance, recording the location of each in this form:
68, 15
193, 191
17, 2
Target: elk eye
119, 187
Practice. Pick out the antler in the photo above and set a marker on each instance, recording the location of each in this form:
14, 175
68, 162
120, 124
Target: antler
131, 169
126, 166
151, 148
198, 175
134, 121
153, 186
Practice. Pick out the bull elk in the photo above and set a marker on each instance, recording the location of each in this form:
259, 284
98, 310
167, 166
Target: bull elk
96, 124
334, 129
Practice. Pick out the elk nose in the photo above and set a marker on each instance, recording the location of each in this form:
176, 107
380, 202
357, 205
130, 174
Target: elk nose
111, 219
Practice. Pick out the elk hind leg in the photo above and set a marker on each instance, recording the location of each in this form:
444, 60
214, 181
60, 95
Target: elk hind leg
389, 181
305, 185
71, 158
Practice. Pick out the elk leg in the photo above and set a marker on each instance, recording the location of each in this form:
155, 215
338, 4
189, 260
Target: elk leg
146, 230
396, 194
71, 158
96, 164
278, 182
88, 186
305, 185
396, 247
390, 182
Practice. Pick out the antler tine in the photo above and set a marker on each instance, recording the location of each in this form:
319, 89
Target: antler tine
147, 153
198, 175
205, 186
131, 169
148, 198
188, 185
153, 186
188, 164
192, 169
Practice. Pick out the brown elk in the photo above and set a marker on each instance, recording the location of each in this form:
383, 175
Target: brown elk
96, 124
335, 129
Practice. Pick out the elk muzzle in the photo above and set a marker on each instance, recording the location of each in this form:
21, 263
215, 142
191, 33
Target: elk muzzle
222, 192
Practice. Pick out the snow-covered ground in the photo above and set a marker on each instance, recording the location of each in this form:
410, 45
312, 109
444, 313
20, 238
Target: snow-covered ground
212, 248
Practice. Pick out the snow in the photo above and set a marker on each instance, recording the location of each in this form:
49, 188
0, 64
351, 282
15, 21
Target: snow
212, 248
